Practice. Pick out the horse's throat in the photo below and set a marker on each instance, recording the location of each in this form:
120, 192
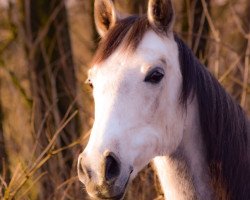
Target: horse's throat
175, 181
184, 175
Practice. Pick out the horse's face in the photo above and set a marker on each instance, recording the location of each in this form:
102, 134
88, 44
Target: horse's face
136, 97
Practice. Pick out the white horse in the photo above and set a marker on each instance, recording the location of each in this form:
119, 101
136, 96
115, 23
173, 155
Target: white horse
155, 102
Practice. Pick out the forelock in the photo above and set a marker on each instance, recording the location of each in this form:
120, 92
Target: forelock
128, 32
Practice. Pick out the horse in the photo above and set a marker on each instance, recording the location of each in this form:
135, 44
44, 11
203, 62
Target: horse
154, 101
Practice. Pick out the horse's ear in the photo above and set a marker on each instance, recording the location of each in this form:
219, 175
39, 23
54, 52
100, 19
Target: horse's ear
105, 16
161, 14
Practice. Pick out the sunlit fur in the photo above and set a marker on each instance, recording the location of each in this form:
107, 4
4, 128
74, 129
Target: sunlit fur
194, 131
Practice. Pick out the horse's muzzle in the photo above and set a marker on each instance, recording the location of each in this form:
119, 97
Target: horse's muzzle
113, 185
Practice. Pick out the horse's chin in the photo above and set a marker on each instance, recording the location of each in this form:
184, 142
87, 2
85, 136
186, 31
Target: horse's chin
114, 192
100, 197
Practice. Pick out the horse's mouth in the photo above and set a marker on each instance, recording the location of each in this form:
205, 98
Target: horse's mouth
119, 196
116, 197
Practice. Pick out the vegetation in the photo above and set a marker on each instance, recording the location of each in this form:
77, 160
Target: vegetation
46, 110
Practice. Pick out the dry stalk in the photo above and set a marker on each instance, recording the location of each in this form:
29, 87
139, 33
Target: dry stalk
216, 36
246, 74
3, 182
17, 84
33, 47
190, 16
230, 69
199, 34
246, 59
237, 20
41, 160
22, 196
67, 183
210, 39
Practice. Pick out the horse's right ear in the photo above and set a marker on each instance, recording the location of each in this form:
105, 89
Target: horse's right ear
161, 14
105, 16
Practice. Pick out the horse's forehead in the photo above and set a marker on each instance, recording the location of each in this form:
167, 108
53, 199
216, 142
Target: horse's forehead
153, 42
152, 49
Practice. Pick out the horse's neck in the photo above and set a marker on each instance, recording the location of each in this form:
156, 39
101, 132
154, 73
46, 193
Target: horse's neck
184, 175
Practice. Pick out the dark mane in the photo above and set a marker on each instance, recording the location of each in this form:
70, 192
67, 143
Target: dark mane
223, 122
224, 128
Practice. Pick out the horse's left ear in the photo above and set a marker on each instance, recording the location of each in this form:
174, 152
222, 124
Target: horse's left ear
161, 14
105, 16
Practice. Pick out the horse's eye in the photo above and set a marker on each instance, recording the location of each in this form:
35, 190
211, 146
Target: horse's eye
155, 76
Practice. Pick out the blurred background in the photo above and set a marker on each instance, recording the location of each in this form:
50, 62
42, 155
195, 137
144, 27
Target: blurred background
46, 110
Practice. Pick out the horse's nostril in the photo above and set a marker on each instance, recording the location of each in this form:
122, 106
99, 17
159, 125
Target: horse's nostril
83, 170
112, 167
